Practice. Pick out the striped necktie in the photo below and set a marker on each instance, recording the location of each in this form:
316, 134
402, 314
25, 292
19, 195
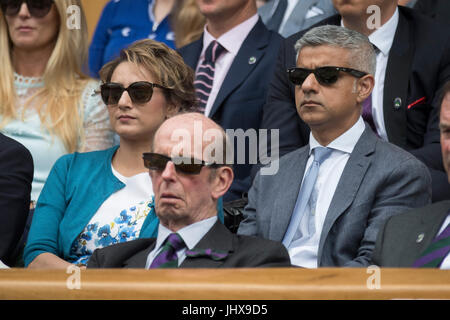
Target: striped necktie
205, 74
167, 257
433, 256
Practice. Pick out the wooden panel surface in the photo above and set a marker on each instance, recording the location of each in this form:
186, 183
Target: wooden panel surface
225, 284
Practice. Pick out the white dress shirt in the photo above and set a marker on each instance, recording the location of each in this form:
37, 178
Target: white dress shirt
232, 41
304, 247
191, 235
382, 38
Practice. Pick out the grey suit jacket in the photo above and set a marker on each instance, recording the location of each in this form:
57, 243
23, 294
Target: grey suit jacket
404, 237
378, 181
243, 252
297, 20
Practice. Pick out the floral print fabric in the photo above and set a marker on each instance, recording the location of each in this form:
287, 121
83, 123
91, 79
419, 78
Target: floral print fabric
100, 233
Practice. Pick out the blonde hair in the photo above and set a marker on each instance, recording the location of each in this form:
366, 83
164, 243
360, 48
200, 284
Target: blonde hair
165, 65
187, 22
58, 101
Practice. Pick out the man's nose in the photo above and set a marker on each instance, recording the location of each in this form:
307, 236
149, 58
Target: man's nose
310, 83
169, 171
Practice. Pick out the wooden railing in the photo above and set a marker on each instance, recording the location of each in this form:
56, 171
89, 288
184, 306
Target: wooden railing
225, 284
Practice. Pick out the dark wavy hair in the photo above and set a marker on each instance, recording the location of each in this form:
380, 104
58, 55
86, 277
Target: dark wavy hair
165, 65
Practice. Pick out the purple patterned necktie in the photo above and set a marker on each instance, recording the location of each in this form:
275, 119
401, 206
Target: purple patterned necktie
167, 257
433, 256
205, 74
367, 113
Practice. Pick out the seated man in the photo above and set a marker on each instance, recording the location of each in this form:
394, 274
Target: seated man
413, 63
186, 195
16, 174
425, 242
329, 198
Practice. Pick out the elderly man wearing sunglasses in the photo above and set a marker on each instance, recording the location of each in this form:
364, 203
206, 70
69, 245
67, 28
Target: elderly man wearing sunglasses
187, 189
329, 198
91, 200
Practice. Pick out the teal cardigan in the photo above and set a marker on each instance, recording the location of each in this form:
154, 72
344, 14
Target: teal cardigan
76, 187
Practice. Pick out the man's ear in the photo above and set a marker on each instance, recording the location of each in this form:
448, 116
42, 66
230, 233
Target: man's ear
221, 181
364, 87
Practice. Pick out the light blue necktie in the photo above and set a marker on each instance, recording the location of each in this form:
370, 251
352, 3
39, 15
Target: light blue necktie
320, 154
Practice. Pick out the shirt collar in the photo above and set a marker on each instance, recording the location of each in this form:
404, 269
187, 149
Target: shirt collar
346, 142
383, 37
233, 38
190, 234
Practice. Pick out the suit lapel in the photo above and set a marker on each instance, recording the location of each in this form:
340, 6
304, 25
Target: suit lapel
348, 185
286, 198
217, 238
248, 57
192, 53
396, 83
431, 222
301, 7
140, 259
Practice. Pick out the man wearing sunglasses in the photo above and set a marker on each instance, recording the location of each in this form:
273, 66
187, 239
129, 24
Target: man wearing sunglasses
413, 63
329, 198
187, 185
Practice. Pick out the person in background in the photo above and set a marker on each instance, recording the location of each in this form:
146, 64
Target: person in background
46, 102
233, 62
16, 175
91, 200
420, 237
330, 197
290, 16
123, 22
187, 191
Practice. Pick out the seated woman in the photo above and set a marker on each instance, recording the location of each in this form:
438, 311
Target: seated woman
46, 101
91, 199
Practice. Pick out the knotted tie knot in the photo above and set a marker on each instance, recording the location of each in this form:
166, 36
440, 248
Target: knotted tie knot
321, 154
213, 51
167, 257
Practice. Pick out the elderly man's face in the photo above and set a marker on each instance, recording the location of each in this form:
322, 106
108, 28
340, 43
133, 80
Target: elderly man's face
180, 197
445, 133
324, 106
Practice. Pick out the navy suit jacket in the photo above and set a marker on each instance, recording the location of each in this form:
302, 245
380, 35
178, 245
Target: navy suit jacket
16, 175
418, 67
240, 100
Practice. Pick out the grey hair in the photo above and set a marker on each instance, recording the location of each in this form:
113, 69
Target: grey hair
362, 56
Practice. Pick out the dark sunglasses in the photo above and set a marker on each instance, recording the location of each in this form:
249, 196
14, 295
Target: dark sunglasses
140, 92
158, 162
37, 8
324, 75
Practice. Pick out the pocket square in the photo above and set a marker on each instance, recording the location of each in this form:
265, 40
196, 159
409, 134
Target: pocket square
418, 101
215, 255
313, 12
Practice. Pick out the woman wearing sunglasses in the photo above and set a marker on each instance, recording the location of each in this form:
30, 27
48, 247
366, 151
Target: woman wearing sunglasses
96, 199
46, 102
